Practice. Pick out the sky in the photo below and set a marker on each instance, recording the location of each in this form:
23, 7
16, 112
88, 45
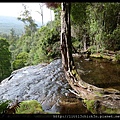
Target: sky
14, 9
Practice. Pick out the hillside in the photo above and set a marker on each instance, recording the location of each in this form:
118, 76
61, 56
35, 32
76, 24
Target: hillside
7, 23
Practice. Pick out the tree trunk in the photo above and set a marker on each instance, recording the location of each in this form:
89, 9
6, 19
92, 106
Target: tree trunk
97, 100
41, 12
84, 42
66, 45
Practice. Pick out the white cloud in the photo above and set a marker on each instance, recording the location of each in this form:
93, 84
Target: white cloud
14, 9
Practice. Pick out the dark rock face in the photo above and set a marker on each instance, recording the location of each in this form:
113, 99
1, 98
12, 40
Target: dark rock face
45, 83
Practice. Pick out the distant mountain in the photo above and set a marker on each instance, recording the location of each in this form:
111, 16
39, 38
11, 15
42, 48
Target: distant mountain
7, 23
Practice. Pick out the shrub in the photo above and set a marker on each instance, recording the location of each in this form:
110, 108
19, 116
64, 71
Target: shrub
20, 60
4, 104
29, 107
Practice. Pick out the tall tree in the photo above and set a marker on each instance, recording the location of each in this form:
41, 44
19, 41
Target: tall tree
66, 49
41, 11
95, 98
30, 25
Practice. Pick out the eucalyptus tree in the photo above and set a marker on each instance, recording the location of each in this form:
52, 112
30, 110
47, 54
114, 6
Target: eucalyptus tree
41, 11
25, 41
25, 17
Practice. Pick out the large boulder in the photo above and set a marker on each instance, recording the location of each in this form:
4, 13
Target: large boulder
45, 83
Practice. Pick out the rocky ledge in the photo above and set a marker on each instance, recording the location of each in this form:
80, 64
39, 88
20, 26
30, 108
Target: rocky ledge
44, 82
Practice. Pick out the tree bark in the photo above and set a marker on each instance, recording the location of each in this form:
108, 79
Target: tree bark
97, 100
66, 45
84, 42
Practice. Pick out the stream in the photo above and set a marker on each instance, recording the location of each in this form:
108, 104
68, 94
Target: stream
99, 72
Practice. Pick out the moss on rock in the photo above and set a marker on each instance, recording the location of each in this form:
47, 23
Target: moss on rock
95, 107
90, 105
30, 107
106, 110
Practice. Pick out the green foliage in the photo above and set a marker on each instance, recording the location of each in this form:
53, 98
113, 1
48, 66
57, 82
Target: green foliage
26, 18
4, 104
90, 104
76, 43
78, 13
5, 57
117, 58
78, 22
17, 64
41, 46
111, 16
50, 43
46, 44
100, 24
93, 49
95, 24
112, 40
96, 21
20, 60
30, 107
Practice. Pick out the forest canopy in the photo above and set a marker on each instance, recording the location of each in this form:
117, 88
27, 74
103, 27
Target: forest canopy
94, 27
